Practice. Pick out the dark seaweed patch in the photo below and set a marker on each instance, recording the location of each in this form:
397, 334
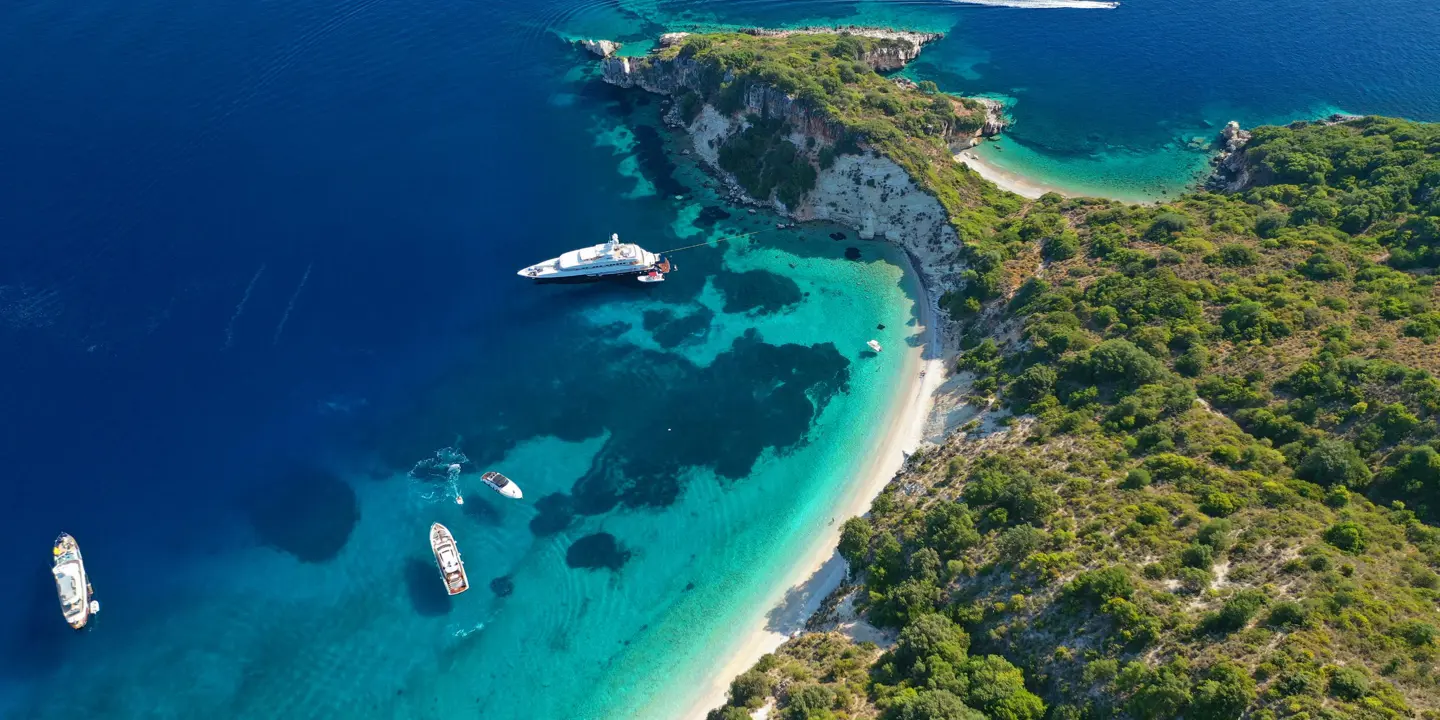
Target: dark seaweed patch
655, 162
600, 551
427, 588
307, 512
837, 236
709, 215
678, 331
757, 291
556, 512
663, 414
852, 253
502, 586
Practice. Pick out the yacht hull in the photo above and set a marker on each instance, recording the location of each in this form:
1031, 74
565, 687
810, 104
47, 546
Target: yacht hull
72, 583
579, 279
447, 559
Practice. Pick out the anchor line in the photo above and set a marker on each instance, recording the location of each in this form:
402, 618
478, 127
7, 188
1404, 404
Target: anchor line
709, 242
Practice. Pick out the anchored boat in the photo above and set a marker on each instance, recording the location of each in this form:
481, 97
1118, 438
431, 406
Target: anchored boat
73, 583
874, 345
610, 260
503, 485
447, 557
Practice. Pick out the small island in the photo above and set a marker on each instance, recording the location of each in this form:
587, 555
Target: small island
1197, 474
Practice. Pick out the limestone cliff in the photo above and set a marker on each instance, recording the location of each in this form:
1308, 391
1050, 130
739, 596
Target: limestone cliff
860, 188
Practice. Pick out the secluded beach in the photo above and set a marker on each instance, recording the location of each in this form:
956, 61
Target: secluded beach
1014, 182
819, 569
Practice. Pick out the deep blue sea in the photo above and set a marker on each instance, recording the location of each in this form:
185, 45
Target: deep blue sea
257, 261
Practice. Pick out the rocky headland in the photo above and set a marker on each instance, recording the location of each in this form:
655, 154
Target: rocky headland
856, 181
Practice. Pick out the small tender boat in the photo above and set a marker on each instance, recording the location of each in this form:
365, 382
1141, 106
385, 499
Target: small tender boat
447, 557
503, 485
73, 583
874, 345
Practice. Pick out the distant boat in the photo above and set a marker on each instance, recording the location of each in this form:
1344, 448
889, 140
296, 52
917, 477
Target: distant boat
874, 345
503, 485
447, 557
612, 259
72, 582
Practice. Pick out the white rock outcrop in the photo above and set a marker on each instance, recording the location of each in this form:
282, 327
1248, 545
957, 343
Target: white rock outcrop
603, 48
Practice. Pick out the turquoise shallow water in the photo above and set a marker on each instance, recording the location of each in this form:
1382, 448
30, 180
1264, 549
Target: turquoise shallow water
259, 263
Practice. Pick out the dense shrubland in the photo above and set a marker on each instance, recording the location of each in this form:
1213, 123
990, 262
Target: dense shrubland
1218, 487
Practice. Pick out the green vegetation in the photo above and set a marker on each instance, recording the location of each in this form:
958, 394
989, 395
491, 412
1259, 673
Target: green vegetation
1217, 487
829, 75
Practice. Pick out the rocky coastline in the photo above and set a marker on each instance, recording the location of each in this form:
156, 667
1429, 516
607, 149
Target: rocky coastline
863, 190
1233, 171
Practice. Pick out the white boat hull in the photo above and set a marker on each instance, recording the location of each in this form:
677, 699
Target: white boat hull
503, 485
72, 583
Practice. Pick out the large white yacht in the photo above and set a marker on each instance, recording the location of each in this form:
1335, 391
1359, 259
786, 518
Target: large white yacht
612, 259
447, 557
72, 582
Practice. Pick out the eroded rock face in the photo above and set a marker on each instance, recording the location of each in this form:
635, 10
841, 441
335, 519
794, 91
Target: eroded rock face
674, 38
1231, 173
603, 48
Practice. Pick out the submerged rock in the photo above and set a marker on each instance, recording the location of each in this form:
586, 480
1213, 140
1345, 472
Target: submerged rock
597, 552
852, 253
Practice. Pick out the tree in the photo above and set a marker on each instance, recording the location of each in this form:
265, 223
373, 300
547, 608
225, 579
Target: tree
931, 705
1349, 683
1159, 694
1237, 611
1334, 462
1347, 536
1120, 362
750, 689
809, 701
998, 689
931, 635
1031, 386
729, 712
1224, 695
855, 537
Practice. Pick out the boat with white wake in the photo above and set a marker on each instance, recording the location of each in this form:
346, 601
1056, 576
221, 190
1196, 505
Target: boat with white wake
610, 260
73, 583
447, 557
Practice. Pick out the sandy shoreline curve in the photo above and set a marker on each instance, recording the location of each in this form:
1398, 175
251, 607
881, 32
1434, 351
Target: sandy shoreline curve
1005, 179
819, 569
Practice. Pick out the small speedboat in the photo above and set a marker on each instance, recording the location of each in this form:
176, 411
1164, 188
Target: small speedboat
874, 345
447, 557
73, 583
503, 485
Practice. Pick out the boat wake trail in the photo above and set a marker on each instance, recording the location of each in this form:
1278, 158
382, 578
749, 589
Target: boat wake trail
445, 467
24, 307
464, 632
240, 308
291, 305
1045, 4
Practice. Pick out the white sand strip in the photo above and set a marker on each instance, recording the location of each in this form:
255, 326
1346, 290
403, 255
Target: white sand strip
819, 569
1014, 182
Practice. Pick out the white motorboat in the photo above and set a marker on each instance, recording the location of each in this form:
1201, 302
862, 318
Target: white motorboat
73, 583
447, 557
503, 485
612, 259
874, 345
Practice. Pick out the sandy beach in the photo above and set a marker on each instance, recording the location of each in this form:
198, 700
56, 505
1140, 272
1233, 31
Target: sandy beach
820, 569
1014, 182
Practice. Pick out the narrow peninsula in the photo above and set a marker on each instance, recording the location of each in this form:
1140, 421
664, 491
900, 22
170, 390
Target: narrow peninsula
1196, 471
